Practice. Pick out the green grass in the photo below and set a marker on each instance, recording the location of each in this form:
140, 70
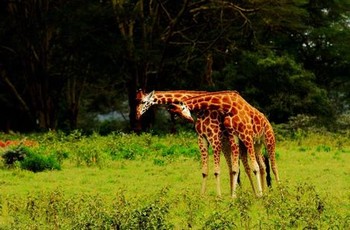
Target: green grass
153, 182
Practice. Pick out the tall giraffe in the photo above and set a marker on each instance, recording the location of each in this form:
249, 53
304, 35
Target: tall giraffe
209, 129
242, 120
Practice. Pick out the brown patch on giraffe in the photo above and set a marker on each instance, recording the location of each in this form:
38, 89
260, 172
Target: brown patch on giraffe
214, 128
206, 121
225, 100
234, 111
236, 119
204, 106
241, 127
168, 95
177, 95
256, 119
161, 100
215, 100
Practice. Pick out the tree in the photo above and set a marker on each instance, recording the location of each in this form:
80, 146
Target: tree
61, 60
325, 50
26, 49
51, 52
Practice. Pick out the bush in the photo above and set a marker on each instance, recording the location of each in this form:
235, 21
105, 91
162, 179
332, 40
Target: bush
29, 160
13, 155
38, 163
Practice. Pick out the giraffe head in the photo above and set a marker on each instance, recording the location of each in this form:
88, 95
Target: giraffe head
181, 110
143, 102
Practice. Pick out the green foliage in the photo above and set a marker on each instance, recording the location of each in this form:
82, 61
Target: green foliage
14, 155
151, 216
83, 211
220, 220
277, 84
38, 163
299, 207
303, 209
30, 160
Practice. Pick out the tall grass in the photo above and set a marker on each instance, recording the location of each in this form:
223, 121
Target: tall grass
127, 181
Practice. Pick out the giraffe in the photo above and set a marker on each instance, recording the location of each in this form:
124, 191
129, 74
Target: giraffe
242, 120
208, 127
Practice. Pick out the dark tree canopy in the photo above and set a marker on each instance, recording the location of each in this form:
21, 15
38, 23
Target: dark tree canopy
62, 63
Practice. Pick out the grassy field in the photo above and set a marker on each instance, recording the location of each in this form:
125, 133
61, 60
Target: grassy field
125, 181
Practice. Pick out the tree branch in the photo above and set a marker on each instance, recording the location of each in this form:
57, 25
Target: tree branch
14, 90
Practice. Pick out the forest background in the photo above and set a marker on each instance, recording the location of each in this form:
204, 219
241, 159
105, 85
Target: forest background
73, 64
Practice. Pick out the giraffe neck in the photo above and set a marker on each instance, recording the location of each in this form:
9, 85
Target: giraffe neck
167, 97
223, 102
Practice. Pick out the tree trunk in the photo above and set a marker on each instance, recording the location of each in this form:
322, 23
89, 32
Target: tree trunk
209, 70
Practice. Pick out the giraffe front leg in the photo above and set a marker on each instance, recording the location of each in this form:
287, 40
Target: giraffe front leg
203, 146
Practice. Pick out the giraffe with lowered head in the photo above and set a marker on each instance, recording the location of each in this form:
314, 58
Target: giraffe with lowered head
208, 126
242, 120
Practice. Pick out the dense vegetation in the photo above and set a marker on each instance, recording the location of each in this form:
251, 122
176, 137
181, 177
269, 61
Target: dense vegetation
127, 181
62, 62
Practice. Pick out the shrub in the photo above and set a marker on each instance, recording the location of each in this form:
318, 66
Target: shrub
220, 220
30, 160
13, 155
38, 163
152, 215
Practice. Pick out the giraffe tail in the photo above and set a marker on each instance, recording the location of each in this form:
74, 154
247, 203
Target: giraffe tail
268, 173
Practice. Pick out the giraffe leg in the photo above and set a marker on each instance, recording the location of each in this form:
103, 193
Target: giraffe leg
203, 146
228, 156
272, 156
214, 139
235, 160
244, 157
248, 142
217, 150
262, 167
270, 143
268, 174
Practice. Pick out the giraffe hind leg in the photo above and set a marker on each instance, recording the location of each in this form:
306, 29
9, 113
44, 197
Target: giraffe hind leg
262, 166
244, 157
271, 147
235, 166
203, 146
226, 149
268, 173
255, 166
217, 150
274, 166
215, 142
270, 143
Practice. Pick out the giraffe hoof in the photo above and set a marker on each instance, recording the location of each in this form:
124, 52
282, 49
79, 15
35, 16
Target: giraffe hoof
259, 195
